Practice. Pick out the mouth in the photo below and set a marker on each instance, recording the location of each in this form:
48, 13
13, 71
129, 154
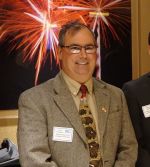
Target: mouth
82, 62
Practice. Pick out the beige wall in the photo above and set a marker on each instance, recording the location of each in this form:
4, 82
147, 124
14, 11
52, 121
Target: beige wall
140, 29
8, 125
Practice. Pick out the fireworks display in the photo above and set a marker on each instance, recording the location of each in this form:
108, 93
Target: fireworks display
36, 23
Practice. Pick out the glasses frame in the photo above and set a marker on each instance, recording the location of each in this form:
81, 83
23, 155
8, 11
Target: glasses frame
78, 48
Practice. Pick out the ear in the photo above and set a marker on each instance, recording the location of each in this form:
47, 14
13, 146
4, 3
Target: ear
60, 52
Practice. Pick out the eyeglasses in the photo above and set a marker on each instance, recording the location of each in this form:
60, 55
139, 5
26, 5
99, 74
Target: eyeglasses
76, 49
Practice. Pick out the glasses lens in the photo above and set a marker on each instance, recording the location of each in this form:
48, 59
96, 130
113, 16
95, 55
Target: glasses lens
90, 49
75, 49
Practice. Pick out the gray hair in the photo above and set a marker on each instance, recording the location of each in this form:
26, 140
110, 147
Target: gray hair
72, 26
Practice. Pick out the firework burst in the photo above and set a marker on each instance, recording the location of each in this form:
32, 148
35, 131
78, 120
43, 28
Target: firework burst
103, 16
36, 23
107, 14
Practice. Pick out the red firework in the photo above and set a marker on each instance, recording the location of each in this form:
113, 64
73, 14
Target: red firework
36, 23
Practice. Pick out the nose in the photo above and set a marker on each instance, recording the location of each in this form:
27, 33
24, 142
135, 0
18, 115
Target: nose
83, 53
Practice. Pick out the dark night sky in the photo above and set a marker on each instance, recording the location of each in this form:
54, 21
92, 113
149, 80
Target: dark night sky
15, 77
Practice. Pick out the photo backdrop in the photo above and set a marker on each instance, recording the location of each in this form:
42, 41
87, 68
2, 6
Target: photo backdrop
28, 41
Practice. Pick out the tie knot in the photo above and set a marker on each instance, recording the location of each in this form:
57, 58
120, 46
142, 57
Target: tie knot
83, 90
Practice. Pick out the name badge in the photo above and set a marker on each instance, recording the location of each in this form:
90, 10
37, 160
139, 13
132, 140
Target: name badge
146, 110
62, 134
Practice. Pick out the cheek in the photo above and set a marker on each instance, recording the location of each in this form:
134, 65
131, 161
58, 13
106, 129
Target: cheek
93, 59
68, 61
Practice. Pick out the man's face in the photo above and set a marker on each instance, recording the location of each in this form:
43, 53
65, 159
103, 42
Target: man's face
78, 66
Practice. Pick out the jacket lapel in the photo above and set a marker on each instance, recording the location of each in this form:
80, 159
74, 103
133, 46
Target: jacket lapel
102, 97
66, 104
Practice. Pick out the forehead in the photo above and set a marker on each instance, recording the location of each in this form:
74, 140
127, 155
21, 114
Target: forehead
79, 36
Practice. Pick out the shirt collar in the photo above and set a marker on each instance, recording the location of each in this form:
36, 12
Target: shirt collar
74, 86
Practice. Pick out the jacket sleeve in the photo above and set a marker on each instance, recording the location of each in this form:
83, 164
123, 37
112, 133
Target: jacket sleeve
127, 148
135, 113
34, 150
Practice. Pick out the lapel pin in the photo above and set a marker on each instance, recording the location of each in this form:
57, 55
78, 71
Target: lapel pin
104, 109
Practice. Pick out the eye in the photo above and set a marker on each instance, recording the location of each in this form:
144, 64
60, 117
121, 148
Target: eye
75, 49
90, 47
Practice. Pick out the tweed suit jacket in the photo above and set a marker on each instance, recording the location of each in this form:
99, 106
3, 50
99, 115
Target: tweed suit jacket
51, 105
137, 93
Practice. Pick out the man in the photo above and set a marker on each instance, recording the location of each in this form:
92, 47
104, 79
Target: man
137, 93
53, 130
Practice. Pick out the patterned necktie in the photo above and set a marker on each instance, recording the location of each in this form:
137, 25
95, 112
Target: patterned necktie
90, 129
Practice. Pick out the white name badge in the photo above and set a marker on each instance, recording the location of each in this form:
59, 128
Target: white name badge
62, 134
146, 110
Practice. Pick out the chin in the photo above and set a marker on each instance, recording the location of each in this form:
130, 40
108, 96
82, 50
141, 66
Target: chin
83, 79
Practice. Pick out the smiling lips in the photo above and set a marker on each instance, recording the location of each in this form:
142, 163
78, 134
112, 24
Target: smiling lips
82, 62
